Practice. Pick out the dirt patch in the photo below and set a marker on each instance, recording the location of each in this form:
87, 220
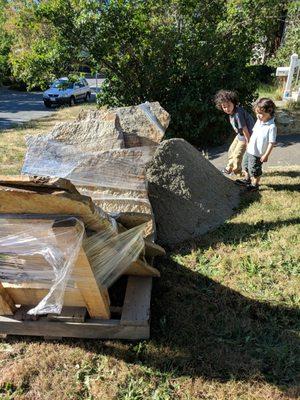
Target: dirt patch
189, 196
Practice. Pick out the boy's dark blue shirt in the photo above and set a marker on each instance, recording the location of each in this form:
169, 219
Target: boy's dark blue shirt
239, 119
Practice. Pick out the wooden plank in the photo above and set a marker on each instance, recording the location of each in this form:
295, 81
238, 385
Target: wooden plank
38, 217
95, 296
31, 295
20, 201
153, 249
131, 219
21, 314
91, 329
25, 181
86, 293
69, 314
7, 305
141, 268
136, 308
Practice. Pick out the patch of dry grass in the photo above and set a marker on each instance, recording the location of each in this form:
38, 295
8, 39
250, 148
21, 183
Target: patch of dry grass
12, 140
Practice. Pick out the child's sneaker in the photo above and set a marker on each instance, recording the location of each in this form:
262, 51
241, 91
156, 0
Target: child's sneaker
243, 182
225, 171
252, 188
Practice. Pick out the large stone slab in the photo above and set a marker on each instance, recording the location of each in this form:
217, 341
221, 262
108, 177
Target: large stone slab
57, 153
89, 134
142, 125
116, 181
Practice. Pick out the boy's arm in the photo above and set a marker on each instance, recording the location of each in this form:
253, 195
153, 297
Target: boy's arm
246, 134
265, 156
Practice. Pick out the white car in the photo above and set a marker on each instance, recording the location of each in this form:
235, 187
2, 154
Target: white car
63, 91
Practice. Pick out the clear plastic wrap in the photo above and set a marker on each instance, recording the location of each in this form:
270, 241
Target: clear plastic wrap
40, 252
121, 168
152, 118
111, 255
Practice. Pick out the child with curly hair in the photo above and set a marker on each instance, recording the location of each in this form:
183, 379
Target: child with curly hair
242, 123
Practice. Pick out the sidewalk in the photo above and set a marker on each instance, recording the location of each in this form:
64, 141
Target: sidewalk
286, 153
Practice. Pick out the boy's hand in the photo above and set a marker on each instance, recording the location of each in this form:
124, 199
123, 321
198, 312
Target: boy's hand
264, 158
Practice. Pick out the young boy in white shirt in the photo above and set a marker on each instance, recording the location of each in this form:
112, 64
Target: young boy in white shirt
260, 145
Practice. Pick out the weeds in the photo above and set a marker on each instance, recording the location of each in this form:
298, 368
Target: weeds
272, 91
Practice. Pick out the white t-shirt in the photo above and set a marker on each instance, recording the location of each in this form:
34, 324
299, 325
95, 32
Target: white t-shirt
263, 134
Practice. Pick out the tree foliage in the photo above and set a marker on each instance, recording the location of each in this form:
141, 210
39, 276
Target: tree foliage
179, 53
5, 44
291, 41
48, 40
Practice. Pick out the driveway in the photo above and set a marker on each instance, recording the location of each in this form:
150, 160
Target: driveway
286, 152
17, 107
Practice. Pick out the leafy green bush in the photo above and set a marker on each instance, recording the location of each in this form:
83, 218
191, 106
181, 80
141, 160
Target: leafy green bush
291, 42
179, 54
5, 43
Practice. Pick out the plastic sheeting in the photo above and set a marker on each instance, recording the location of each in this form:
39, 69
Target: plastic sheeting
121, 169
40, 252
152, 118
111, 255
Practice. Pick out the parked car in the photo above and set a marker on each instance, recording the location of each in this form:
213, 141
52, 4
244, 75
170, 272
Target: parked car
63, 91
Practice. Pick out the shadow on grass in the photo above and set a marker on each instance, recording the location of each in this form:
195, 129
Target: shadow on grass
234, 233
201, 328
287, 187
215, 332
291, 174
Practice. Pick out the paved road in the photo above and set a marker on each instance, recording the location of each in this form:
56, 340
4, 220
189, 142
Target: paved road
17, 107
287, 152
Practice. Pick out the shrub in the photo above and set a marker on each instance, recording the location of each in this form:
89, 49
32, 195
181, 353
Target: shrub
179, 54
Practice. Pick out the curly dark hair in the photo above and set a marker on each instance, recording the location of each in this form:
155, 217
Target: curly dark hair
223, 96
266, 105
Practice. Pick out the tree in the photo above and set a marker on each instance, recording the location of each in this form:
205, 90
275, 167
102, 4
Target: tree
5, 43
48, 40
291, 40
179, 53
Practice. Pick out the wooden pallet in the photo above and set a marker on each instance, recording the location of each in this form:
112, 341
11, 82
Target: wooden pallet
34, 201
133, 324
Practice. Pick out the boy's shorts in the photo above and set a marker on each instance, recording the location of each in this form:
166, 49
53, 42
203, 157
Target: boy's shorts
252, 165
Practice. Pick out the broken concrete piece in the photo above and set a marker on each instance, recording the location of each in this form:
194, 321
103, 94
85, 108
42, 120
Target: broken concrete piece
189, 196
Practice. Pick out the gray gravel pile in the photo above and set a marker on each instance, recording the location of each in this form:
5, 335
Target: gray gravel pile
189, 196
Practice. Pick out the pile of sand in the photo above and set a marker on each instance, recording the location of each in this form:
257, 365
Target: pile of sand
189, 196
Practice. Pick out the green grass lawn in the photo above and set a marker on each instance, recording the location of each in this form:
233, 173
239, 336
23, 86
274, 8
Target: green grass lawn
225, 317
